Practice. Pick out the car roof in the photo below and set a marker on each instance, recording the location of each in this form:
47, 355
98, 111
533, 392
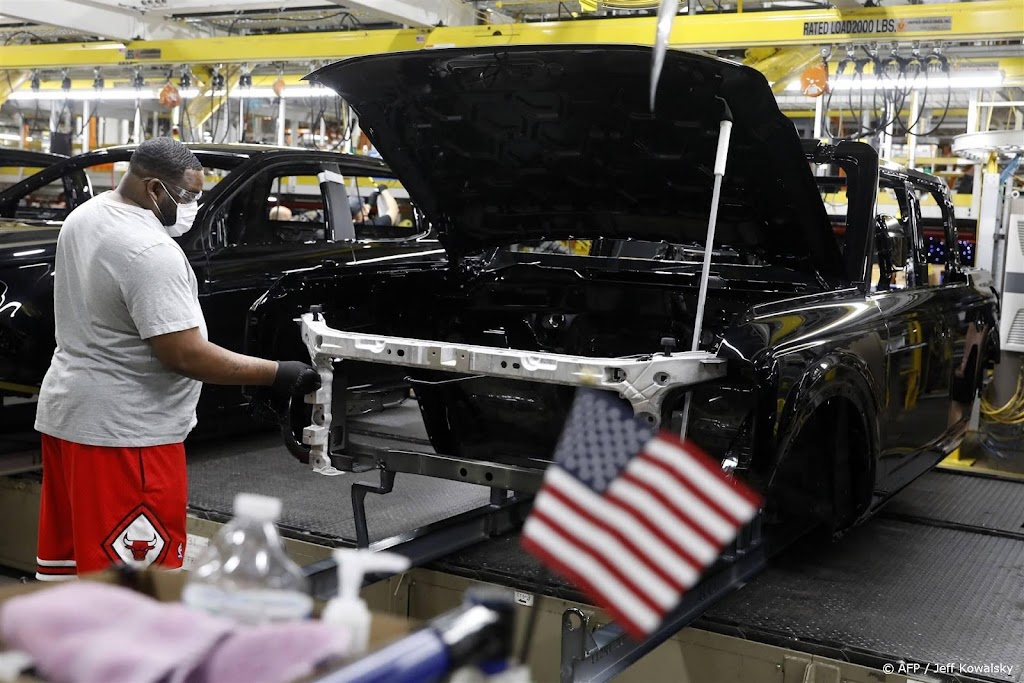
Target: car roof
28, 157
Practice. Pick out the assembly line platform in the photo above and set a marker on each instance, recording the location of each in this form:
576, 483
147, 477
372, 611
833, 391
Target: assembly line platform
937, 577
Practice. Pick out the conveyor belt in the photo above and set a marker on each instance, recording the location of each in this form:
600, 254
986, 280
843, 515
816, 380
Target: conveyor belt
969, 501
938, 578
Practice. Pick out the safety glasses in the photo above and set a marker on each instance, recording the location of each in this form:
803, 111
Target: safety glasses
179, 194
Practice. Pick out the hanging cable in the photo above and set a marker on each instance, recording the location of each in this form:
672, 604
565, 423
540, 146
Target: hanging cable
937, 62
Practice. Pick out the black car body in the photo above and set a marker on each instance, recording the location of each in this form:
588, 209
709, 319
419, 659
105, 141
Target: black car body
235, 248
849, 371
17, 164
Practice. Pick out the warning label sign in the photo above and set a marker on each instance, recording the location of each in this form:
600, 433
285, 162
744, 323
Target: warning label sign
890, 26
152, 53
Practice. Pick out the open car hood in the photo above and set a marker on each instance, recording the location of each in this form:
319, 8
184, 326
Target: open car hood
502, 145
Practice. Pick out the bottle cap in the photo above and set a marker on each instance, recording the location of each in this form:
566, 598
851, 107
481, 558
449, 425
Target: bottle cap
255, 506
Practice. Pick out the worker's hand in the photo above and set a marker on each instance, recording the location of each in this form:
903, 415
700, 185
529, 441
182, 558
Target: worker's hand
294, 378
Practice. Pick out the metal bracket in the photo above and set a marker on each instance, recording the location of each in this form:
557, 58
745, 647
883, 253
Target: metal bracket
359, 491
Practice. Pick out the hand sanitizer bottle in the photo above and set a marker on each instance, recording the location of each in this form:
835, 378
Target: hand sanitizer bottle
348, 610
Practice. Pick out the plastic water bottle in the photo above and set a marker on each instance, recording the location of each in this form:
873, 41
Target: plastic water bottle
244, 574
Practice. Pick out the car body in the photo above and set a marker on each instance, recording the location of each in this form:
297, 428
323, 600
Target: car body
17, 164
236, 250
842, 370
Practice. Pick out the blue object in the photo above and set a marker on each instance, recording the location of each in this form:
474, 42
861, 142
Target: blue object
1010, 169
419, 658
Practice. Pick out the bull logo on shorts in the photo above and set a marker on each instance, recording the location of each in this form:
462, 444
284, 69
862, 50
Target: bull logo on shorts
138, 540
139, 549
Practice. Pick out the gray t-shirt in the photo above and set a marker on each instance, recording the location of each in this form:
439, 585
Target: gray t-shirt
119, 279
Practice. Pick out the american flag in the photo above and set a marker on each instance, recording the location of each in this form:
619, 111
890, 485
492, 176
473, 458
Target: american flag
632, 517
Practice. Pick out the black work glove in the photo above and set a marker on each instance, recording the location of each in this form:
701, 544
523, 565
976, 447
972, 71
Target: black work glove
294, 378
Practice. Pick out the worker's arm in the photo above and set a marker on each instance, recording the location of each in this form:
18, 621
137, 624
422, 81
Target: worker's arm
389, 201
187, 353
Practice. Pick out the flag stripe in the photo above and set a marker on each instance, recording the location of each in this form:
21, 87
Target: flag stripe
602, 561
602, 540
657, 551
668, 471
556, 563
731, 499
656, 493
682, 535
605, 585
714, 468
656, 475
689, 568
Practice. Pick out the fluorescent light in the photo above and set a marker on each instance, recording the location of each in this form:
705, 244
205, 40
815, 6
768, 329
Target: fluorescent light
30, 252
289, 92
935, 83
112, 95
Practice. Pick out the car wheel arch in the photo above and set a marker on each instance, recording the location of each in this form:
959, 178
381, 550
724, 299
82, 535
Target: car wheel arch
837, 384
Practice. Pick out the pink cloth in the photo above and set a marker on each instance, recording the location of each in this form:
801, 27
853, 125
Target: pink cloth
86, 632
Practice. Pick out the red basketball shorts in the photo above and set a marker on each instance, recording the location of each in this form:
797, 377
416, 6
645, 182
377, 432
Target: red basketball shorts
103, 506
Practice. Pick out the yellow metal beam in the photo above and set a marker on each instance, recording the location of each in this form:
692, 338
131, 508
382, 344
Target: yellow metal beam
203, 106
945, 21
983, 20
10, 81
782, 65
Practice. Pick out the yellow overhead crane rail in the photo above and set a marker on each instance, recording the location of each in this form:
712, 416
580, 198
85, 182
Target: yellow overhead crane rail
983, 20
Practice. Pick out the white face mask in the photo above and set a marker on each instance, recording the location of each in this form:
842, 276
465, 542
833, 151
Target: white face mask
186, 215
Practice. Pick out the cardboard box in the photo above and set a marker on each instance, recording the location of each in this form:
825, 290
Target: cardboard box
166, 586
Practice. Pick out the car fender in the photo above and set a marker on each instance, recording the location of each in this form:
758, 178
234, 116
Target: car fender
836, 375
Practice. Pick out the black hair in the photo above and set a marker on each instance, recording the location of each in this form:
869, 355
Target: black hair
163, 158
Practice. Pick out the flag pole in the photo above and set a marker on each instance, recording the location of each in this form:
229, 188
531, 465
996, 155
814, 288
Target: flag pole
721, 156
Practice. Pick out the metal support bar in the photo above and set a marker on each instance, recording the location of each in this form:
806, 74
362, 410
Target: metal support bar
280, 121
359, 491
644, 381
721, 158
433, 541
915, 116
819, 117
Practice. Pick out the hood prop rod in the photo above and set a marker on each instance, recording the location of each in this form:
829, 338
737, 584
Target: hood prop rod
721, 157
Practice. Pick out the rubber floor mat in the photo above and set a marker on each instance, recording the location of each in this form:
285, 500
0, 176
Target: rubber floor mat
317, 505
898, 590
962, 499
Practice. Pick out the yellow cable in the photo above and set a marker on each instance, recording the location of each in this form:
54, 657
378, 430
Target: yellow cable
1016, 398
1012, 413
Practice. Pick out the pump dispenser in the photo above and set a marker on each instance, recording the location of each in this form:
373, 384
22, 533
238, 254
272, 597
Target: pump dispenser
348, 609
